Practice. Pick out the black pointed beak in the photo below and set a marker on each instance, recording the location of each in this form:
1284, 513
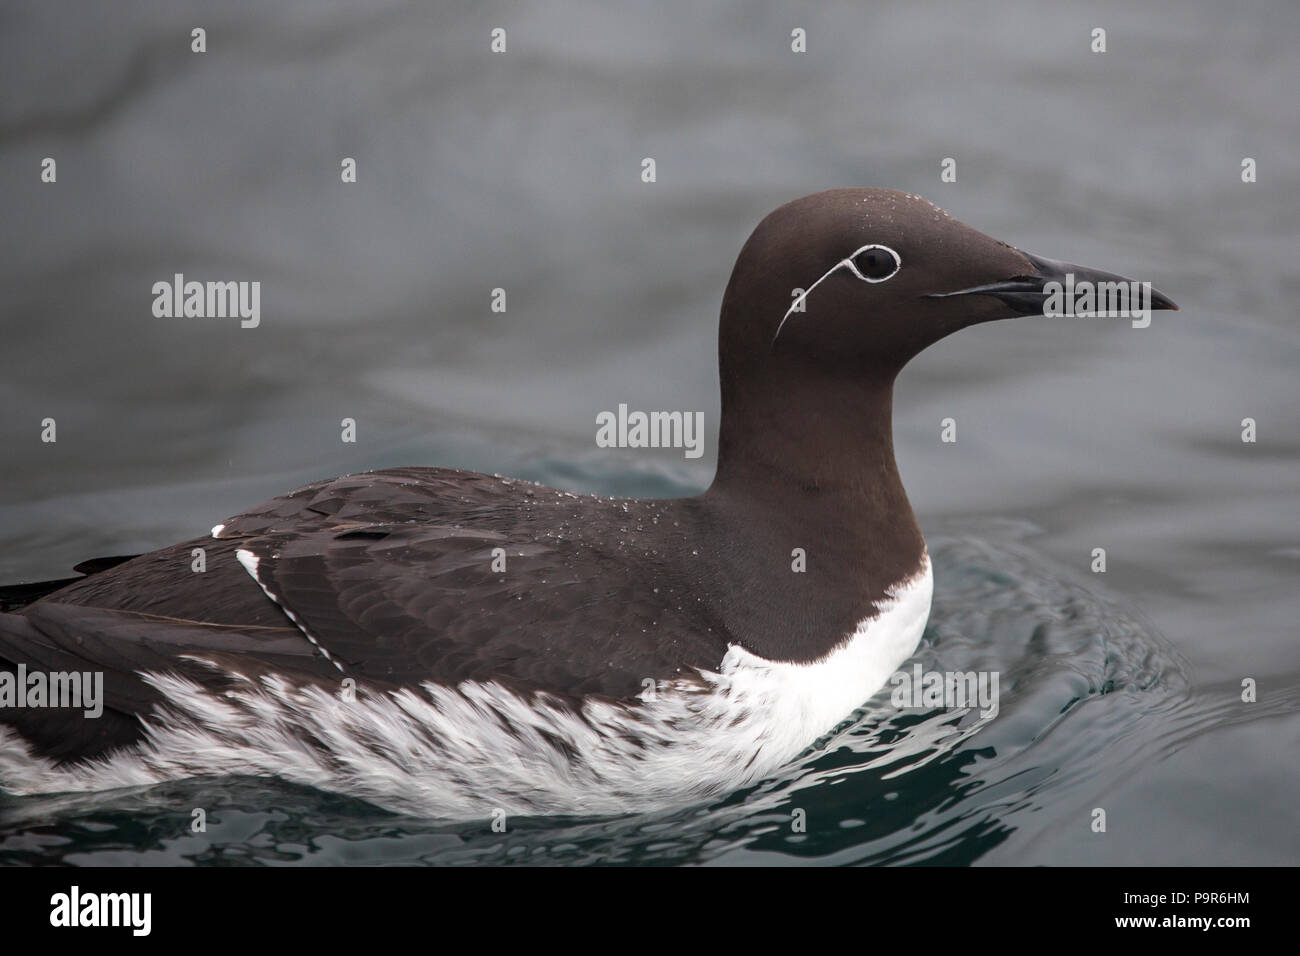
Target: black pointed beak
1056, 288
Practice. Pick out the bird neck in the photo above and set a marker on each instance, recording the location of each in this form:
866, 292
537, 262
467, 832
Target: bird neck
807, 482
797, 441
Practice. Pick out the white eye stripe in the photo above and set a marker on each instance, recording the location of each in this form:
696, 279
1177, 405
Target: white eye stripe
898, 263
847, 261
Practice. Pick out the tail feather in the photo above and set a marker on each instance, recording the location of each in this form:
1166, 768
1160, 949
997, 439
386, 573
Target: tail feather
14, 597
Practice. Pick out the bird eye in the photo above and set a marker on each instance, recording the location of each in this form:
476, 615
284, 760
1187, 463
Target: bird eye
875, 263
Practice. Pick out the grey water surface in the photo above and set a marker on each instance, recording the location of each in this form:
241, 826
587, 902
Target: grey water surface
521, 170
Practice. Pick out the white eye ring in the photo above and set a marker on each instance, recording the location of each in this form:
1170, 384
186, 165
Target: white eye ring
848, 261
898, 263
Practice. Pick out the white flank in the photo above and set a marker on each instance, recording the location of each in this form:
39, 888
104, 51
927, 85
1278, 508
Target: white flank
464, 752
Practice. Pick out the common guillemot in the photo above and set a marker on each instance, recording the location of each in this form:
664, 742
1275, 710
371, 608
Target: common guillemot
457, 644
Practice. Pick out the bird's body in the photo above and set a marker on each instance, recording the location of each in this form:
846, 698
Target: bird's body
454, 644
472, 687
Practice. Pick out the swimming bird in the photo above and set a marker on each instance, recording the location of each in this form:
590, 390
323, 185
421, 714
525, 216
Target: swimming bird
457, 644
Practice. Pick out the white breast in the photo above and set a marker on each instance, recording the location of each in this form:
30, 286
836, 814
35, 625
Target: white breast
794, 704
